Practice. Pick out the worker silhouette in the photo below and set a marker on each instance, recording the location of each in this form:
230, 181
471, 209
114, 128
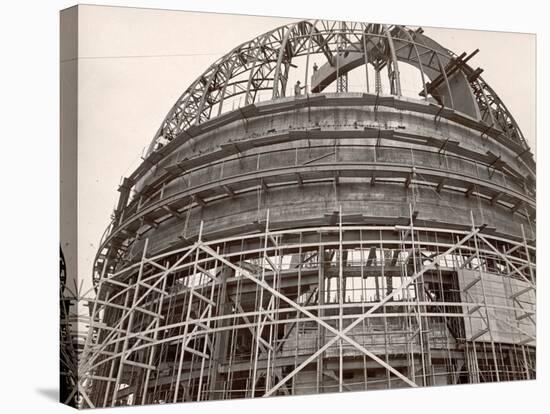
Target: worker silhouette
315, 67
298, 89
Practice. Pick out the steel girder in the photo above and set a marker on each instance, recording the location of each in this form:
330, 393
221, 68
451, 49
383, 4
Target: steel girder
263, 64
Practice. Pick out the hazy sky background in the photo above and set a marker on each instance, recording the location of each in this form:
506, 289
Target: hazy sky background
135, 63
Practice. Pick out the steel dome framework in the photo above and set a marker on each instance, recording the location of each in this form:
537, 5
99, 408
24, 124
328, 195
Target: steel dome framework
264, 63
319, 242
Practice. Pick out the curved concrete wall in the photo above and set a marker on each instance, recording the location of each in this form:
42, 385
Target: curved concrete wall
304, 162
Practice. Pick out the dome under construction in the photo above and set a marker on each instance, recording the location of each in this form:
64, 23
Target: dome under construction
330, 206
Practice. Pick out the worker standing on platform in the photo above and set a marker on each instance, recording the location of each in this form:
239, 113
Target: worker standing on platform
298, 89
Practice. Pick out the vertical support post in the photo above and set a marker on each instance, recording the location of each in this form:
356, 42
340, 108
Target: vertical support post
321, 301
220, 341
152, 352
423, 325
526, 247
261, 308
189, 306
94, 315
495, 362
112, 364
395, 67
203, 359
387, 288
419, 284
129, 325
339, 36
306, 80
525, 362
340, 300
365, 54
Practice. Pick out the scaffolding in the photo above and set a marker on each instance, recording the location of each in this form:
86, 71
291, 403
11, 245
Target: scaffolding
312, 310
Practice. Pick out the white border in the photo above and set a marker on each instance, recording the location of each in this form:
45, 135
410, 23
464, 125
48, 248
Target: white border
29, 100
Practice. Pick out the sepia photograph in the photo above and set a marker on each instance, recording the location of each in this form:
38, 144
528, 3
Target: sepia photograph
265, 206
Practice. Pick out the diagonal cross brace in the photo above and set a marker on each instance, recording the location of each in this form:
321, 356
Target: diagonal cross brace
87, 362
516, 270
358, 320
339, 334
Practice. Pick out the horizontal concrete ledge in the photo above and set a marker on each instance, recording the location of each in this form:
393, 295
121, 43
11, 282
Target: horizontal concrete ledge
215, 191
318, 100
237, 147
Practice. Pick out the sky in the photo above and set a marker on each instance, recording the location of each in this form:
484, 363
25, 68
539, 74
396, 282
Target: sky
134, 63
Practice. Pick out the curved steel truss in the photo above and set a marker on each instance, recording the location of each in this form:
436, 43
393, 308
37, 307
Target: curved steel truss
266, 62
